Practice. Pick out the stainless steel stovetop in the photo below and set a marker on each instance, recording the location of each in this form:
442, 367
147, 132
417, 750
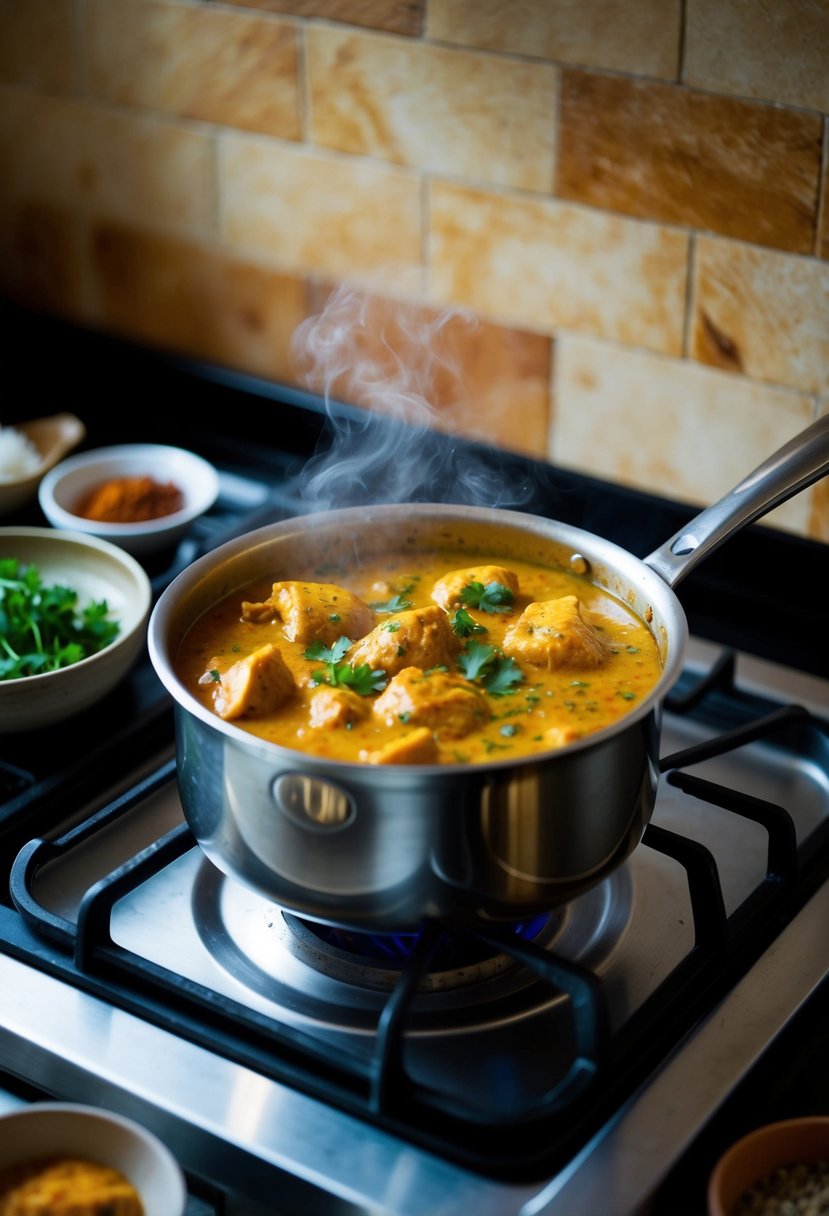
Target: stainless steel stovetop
253, 1135
149, 984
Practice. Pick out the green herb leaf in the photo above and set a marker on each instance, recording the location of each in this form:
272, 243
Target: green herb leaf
327, 654
465, 625
338, 672
494, 597
497, 674
475, 658
397, 603
363, 679
43, 628
503, 677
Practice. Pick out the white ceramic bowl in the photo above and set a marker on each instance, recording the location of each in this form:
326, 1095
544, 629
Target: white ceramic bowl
97, 570
46, 1129
65, 485
53, 438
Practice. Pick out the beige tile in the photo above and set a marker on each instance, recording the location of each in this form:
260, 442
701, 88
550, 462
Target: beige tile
201, 61
104, 163
37, 46
395, 16
177, 295
762, 313
472, 115
662, 152
643, 38
443, 368
318, 212
823, 227
778, 52
668, 426
542, 265
41, 257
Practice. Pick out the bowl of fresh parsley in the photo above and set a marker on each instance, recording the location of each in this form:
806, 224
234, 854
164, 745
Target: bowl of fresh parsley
73, 618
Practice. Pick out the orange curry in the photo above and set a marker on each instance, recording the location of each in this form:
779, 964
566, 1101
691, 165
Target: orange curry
421, 659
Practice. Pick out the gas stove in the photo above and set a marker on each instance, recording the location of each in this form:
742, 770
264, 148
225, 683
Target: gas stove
584, 1061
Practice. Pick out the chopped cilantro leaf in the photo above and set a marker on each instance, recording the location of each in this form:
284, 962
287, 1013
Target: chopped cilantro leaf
43, 628
475, 658
496, 674
327, 654
397, 603
465, 625
361, 679
494, 597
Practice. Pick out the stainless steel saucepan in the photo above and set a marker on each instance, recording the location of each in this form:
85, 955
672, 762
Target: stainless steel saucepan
382, 847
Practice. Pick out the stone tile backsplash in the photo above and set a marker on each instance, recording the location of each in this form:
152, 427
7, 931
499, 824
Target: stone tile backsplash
593, 231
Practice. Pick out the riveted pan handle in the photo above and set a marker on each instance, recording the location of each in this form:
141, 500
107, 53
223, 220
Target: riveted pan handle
799, 463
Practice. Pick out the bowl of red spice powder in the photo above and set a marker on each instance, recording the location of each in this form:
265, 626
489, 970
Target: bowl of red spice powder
141, 496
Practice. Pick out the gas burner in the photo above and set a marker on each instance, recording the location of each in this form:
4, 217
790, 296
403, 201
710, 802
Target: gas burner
308, 974
458, 958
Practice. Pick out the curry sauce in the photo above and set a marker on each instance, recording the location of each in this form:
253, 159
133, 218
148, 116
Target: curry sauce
421, 658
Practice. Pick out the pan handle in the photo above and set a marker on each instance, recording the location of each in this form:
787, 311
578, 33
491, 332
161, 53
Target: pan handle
799, 463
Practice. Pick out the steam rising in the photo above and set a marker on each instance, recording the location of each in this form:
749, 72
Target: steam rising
396, 361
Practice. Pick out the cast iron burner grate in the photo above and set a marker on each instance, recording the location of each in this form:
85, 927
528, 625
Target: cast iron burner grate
601, 1068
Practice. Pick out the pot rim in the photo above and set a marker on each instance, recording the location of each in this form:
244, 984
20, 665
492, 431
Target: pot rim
668, 615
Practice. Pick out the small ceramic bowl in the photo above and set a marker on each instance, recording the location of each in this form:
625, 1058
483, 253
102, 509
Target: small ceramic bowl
753, 1159
53, 438
64, 488
98, 571
66, 1129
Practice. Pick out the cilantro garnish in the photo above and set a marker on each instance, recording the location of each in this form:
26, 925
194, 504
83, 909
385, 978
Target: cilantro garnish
42, 628
475, 658
465, 625
495, 673
494, 597
397, 603
327, 654
363, 679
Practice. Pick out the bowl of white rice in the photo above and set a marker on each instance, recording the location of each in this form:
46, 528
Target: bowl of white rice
28, 450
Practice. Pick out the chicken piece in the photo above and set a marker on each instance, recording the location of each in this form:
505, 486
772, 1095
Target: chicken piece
553, 634
257, 684
417, 747
337, 707
450, 706
313, 612
419, 637
447, 590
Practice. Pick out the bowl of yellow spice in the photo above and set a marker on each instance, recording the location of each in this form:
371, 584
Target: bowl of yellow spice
141, 496
62, 1158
